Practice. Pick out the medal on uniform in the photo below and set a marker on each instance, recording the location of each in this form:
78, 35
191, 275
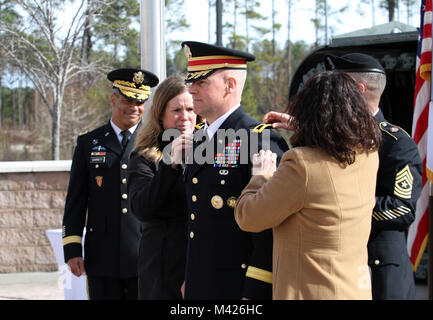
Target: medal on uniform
217, 202
98, 155
99, 181
230, 157
231, 202
98, 148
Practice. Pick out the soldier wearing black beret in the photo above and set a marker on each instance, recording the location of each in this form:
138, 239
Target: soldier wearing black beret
399, 184
223, 262
97, 196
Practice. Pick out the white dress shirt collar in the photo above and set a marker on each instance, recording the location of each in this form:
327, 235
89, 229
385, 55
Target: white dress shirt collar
118, 131
211, 129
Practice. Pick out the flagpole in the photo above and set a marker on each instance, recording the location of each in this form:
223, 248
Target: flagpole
152, 39
430, 245
219, 23
430, 211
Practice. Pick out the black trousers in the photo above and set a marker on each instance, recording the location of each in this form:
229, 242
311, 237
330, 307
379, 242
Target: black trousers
102, 288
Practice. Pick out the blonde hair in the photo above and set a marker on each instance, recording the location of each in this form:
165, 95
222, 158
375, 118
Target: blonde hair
146, 142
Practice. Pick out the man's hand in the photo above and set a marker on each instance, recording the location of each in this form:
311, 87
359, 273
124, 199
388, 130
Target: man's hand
182, 290
264, 163
278, 120
77, 266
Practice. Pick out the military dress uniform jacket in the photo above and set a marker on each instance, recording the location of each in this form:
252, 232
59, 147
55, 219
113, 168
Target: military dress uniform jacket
224, 262
399, 184
97, 186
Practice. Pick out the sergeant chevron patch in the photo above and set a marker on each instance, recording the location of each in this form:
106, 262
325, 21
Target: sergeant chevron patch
390, 214
404, 183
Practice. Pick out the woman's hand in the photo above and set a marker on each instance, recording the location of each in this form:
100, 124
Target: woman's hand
180, 148
278, 120
264, 163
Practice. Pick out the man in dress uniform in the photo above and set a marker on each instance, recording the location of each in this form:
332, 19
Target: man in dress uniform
223, 262
399, 183
97, 186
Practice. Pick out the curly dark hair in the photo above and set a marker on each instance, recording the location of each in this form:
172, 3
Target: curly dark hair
330, 112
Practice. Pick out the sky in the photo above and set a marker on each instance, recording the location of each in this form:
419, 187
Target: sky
302, 12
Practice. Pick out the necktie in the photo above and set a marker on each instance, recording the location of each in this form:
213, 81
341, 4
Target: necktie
125, 134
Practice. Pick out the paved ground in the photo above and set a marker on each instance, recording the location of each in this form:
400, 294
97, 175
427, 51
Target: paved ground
422, 291
30, 286
45, 286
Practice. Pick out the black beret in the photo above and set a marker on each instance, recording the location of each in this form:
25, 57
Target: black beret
204, 59
353, 62
133, 83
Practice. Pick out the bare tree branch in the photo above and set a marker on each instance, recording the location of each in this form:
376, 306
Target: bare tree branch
47, 55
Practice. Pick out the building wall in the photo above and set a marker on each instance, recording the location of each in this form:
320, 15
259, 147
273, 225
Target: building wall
32, 197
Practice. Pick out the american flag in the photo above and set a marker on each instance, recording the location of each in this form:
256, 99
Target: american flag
422, 134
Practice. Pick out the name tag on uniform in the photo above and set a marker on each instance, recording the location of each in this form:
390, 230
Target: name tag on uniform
97, 159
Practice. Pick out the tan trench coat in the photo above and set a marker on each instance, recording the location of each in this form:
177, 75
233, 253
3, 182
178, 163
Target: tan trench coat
320, 213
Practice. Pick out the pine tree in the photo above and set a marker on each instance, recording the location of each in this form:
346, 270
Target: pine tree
390, 6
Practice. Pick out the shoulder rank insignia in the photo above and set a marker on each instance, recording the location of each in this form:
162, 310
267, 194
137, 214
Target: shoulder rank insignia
261, 127
404, 183
391, 129
199, 126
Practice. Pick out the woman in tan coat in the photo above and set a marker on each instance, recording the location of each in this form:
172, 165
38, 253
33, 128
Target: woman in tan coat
319, 200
